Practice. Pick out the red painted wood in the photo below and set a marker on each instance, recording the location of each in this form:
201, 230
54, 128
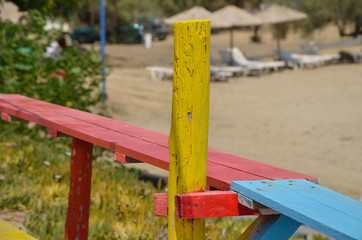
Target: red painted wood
76, 226
214, 155
5, 117
203, 205
55, 133
206, 204
141, 144
161, 204
120, 157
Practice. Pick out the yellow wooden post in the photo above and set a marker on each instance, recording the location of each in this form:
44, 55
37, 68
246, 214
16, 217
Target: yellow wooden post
190, 122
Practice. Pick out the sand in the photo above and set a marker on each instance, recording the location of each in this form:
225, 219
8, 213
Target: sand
307, 120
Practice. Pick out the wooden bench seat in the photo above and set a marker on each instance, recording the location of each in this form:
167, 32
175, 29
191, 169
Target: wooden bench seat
9, 232
310, 204
135, 142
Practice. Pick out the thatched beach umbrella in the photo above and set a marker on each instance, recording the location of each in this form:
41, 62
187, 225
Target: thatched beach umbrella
276, 14
199, 13
9, 11
238, 18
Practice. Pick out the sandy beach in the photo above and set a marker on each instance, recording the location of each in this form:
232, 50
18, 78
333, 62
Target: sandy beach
305, 120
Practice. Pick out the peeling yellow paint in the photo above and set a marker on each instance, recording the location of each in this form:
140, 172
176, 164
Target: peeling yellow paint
9, 232
190, 121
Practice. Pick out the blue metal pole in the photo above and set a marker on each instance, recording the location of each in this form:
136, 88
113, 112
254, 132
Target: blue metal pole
103, 43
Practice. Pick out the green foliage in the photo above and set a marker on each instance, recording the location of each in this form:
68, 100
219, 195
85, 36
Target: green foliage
318, 15
343, 13
48, 7
280, 30
25, 70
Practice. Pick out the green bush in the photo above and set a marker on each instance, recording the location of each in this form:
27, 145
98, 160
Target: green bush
72, 81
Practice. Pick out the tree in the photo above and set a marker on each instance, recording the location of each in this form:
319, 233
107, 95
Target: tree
49, 7
343, 13
73, 80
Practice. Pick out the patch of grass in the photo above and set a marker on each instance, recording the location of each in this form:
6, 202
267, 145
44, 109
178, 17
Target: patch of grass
35, 179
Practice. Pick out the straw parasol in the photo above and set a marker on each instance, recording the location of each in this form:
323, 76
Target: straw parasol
198, 13
9, 11
276, 14
238, 18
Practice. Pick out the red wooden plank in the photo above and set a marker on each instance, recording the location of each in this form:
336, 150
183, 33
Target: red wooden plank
55, 133
264, 171
161, 204
123, 144
120, 157
220, 176
135, 142
207, 204
76, 226
204, 205
5, 116
108, 123
8, 118
103, 137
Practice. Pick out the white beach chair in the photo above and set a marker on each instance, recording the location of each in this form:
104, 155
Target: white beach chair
231, 71
159, 73
300, 60
240, 60
218, 73
355, 57
250, 67
311, 49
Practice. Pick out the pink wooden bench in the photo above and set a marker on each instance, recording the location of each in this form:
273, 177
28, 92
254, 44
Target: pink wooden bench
126, 141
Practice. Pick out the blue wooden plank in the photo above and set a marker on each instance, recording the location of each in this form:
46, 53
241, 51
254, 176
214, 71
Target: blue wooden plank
326, 196
307, 210
280, 227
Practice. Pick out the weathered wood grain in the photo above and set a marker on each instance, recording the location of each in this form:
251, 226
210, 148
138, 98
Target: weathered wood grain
310, 204
161, 204
190, 122
135, 142
207, 204
55, 133
76, 226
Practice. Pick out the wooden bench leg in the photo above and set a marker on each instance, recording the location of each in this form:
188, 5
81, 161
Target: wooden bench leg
76, 226
271, 227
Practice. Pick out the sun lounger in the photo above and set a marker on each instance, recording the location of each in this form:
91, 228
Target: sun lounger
311, 49
218, 73
301, 60
228, 70
159, 73
240, 60
250, 67
355, 57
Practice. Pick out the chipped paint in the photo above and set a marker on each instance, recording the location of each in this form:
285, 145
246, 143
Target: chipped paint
189, 125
